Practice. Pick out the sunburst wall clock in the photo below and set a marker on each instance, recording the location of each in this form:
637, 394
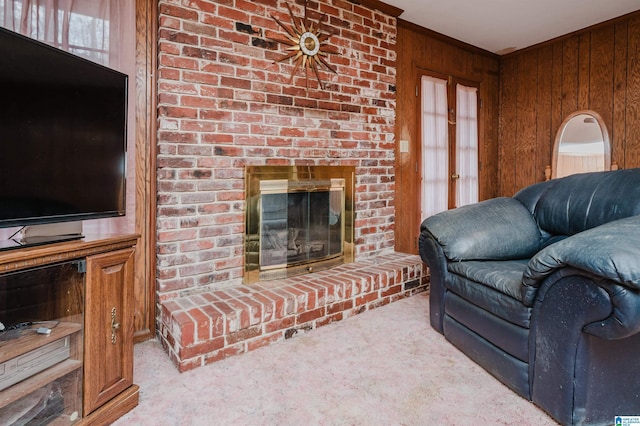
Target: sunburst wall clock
306, 45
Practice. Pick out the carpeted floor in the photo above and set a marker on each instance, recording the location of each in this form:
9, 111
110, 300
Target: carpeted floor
383, 367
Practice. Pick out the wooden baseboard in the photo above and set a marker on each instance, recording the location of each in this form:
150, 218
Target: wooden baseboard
114, 409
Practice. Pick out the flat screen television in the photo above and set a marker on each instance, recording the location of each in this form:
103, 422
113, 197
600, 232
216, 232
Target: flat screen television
63, 126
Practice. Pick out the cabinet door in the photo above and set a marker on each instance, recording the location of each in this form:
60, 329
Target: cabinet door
108, 327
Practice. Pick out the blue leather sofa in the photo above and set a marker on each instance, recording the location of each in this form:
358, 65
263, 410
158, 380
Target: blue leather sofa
543, 291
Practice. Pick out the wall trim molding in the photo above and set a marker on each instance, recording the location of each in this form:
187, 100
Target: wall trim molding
444, 38
381, 6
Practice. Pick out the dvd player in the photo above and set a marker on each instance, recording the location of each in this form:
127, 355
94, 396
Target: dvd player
24, 366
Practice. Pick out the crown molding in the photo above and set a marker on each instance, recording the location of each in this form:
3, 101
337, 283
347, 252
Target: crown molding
381, 6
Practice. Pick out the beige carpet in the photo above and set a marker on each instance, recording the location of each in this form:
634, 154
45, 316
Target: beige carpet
383, 367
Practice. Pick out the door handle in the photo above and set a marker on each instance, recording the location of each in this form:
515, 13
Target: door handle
455, 176
114, 325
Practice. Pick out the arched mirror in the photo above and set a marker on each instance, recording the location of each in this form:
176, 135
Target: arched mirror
581, 145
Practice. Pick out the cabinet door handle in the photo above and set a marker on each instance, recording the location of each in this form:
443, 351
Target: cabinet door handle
455, 176
114, 325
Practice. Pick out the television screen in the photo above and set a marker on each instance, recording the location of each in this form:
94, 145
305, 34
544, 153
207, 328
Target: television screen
63, 135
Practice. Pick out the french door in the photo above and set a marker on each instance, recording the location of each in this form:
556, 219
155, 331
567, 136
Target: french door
449, 143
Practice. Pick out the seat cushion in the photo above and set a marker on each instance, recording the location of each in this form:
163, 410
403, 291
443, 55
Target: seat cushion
504, 276
495, 286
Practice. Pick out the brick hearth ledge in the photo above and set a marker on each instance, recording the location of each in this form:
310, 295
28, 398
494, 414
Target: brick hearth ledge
205, 327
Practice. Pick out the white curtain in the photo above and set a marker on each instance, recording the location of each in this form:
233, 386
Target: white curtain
435, 146
102, 31
466, 145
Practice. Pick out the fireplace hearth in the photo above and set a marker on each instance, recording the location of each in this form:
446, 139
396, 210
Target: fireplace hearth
299, 220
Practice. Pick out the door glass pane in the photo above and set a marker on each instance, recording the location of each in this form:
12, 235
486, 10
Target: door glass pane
466, 145
435, 146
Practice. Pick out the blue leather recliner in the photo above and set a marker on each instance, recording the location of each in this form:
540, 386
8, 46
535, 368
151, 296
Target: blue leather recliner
543, 291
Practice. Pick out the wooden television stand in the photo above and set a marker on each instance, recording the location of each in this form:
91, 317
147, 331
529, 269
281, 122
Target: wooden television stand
67, 344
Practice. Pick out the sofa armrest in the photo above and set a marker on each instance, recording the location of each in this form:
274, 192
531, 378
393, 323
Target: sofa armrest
609, 255
610, 251
432, 254
578, 378
496, 229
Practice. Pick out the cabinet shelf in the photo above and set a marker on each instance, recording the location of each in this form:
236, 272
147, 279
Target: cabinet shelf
10, 349
37, 381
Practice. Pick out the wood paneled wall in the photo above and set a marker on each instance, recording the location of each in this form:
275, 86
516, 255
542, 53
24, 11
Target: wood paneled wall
597, 68
420, 50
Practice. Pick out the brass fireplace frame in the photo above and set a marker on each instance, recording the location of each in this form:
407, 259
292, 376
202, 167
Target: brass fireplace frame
294, 178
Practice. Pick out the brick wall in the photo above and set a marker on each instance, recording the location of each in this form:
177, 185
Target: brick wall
223, 104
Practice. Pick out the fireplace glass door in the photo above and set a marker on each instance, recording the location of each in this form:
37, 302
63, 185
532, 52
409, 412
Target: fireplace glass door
300, 226
299, 219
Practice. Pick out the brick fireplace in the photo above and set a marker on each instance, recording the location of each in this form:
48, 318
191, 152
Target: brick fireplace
223, 106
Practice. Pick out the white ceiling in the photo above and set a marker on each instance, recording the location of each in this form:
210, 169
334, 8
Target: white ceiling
501, 26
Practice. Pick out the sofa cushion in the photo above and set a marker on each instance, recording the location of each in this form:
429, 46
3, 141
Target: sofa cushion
583, 201
495, 286
530, 196
504, 276
496, 229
